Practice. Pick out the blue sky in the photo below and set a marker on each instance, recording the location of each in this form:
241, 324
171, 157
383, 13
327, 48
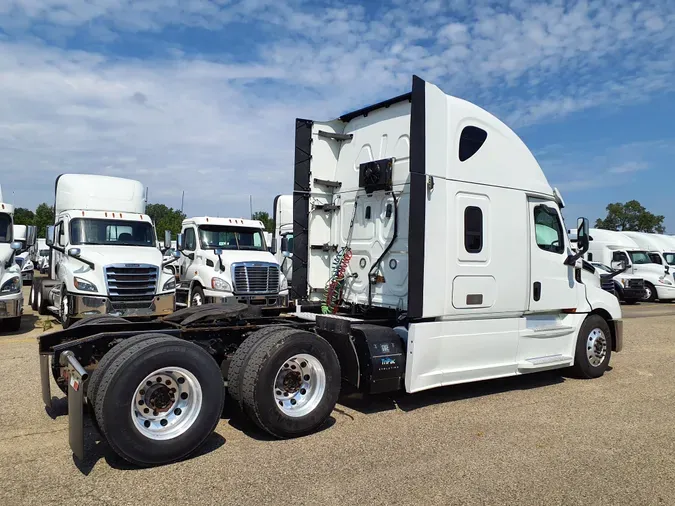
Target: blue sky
202, 95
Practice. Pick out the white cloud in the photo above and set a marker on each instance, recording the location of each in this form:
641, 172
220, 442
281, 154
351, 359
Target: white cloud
628, 167
193, 109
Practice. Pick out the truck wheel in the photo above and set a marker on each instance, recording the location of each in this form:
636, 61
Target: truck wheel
291, 383
594, 348
650, 293
197, 296
64, 309
32, 296
236, 370
42, 299
159, 400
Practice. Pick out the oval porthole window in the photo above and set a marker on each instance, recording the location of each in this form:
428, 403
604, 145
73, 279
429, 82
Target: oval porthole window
470, 141
393, 264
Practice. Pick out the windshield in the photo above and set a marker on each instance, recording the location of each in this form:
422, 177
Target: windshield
216, 236
44, 252
111, 232
602, 267
639, 257
5, 228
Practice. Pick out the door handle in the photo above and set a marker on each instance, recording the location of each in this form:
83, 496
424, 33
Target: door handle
536, 290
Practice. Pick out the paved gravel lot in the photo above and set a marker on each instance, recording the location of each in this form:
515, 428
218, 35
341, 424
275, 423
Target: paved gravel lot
540, 439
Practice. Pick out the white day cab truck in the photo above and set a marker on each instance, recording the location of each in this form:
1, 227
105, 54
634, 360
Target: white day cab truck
104, 254
226, 260
444, 260
660, 248
621, 252
11, 297
25, 255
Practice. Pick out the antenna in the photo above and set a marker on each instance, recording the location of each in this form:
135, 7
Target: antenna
182, 199
250, 204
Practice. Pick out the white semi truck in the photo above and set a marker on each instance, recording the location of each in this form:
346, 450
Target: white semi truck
24, 256
11, 296
104, 254
619, 251
660, 248
444, 260
226, 260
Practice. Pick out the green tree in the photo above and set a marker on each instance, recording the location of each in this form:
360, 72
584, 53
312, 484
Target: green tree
267, 221
44, 216
165, 218
23, 216
631, 216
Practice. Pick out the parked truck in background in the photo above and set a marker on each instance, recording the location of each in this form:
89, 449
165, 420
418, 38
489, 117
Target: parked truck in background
619, 251
282, 240
104, 254
226, 260
660, 248
11, 296
24, 256
443, 260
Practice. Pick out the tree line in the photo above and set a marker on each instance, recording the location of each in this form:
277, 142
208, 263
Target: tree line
164, 218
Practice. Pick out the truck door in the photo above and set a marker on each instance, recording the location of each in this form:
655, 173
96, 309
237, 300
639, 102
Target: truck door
190, 250
552, 283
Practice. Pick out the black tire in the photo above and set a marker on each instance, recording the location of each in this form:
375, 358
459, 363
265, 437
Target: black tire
261, 371
91, 386
123, 376
66, 319
235, 373
11, 324
650, 292
583, 368
197, 292
42, 301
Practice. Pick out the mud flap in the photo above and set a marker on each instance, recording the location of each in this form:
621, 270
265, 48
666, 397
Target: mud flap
76, 377
44, 381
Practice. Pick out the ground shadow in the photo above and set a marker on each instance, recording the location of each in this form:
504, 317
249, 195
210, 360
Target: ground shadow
58, 408
27, 325
97, 448
368, 404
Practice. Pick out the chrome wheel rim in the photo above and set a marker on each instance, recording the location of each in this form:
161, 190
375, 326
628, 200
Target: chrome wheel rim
596, 347
299, 385
39, 299
648, 293
196, 299
166, 403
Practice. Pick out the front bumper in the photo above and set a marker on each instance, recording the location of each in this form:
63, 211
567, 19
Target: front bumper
633, 293
11, 306
618, 335
159, 305
269, 301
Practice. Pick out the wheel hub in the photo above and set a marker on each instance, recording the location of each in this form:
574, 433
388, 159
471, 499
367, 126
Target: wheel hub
166, 403
596, 347
299, 385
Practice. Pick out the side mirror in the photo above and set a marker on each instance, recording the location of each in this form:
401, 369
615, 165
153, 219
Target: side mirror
284, 245
167, 239
218, 251
180, 242
176, 254
619, 266
583, 235
74, 252
287, 254
49, 236
273, 246
16, 245
31, 234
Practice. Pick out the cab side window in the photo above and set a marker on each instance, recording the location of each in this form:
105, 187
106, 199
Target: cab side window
60, 234
548, 229
190, 239
620, 256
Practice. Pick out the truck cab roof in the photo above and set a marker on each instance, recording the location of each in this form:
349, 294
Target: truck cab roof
225, 222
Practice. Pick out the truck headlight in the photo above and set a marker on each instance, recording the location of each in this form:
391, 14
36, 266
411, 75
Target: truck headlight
170, 284
221, 285
84, 285
11, 286
28, 266
284, 283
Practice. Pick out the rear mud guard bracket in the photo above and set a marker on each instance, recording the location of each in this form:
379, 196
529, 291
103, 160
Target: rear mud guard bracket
76, 378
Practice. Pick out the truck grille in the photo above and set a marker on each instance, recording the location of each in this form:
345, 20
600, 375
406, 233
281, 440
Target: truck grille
607, 283
131, 282
636, 283
255, 278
